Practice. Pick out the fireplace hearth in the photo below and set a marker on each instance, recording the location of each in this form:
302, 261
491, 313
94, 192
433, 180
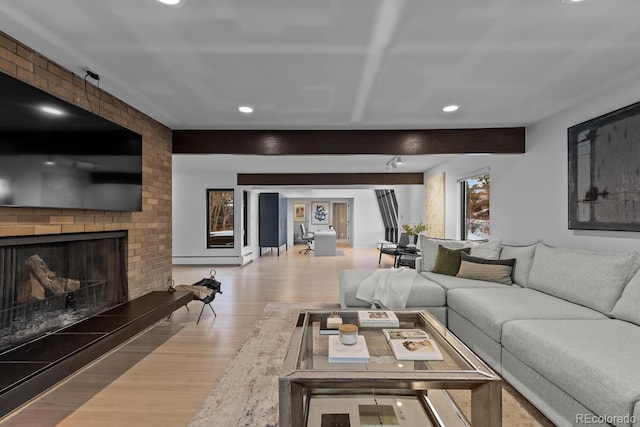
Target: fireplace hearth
48, 282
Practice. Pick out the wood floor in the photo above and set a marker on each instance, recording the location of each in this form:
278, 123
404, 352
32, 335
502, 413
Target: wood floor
161, 377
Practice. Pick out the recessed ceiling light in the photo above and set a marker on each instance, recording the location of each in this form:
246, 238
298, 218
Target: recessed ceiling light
170, 2
571, 1
450, 108
245, 109
52, 110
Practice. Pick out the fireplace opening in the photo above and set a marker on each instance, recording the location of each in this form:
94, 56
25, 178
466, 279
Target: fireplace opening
47, 282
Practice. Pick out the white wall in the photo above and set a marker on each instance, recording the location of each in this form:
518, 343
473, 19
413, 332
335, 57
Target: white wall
293, 226
529, 192
367, 226
412, 208
190, 219
189, 216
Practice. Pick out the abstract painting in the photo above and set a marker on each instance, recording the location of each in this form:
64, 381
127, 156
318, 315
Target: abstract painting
299, 211
604, 172
320, 213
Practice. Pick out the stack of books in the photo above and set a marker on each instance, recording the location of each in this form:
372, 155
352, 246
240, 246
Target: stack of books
341, 353
378, 319
329, 326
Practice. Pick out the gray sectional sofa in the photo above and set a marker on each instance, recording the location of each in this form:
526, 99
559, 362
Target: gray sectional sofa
565, 334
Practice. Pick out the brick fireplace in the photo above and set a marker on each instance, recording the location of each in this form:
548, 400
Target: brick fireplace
148, 256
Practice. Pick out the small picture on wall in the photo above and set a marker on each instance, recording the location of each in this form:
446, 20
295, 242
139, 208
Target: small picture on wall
320, 213
299, 211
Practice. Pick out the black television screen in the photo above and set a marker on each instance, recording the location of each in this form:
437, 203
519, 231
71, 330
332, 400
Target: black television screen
56, 155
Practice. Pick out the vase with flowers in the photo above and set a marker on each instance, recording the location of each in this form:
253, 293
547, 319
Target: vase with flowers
413, 231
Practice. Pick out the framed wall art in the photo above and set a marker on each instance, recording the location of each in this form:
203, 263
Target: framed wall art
320, 213
604, 172
299, 211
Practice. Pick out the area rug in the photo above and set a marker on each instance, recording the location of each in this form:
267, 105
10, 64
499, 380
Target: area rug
247, 392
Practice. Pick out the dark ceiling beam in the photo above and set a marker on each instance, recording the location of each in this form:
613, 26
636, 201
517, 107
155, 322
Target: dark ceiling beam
391, 142
330, 178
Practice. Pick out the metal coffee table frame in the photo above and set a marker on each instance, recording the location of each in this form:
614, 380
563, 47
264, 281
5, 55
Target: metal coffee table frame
300, 380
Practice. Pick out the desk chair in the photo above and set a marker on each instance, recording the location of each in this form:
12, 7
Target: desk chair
307, 237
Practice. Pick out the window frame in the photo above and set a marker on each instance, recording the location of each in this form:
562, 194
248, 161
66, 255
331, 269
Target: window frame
464, 188
224, 238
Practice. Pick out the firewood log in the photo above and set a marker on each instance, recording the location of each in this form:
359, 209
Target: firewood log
47, 278
30, 290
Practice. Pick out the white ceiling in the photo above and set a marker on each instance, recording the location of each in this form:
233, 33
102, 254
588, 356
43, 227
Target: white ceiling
339, 64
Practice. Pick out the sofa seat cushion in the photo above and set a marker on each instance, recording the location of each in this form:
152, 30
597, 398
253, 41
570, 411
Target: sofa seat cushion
453, 282
594, 361
491, 308
424, 292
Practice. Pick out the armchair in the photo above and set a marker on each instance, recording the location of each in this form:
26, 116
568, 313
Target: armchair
393, 248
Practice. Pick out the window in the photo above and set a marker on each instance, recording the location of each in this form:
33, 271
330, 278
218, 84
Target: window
475, 207
245, 218
220, 219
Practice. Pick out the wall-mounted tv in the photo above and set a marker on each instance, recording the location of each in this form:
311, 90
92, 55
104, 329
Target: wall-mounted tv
54, 154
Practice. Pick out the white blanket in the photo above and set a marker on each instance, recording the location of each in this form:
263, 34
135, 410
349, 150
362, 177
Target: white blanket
389, 288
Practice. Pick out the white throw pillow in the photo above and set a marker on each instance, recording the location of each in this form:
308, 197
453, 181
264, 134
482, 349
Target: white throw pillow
488, 250
524, 259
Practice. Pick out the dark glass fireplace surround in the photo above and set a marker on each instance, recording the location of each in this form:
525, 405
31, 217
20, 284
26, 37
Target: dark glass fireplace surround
48, 282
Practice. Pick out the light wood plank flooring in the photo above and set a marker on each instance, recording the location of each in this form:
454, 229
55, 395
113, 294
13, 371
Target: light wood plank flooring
161, 377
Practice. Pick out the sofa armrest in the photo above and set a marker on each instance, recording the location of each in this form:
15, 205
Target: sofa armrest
349, 282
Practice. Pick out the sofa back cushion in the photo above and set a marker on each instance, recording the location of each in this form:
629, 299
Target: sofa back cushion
429, 249
591, 279
479, 248
628, 306
524, 259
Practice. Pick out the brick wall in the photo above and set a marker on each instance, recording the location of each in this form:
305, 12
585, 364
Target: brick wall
149, 258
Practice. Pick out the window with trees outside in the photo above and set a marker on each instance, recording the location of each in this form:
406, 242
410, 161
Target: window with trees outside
475, 207
220, 218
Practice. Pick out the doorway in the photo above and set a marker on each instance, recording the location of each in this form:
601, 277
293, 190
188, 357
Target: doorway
340, 217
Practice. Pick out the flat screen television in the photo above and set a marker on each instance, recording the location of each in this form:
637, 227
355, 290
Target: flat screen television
54, 154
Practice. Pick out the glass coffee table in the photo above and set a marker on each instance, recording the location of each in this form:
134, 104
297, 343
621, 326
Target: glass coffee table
385, 391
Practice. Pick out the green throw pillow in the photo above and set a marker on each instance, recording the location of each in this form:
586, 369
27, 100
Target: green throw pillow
448, 260
490, 270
